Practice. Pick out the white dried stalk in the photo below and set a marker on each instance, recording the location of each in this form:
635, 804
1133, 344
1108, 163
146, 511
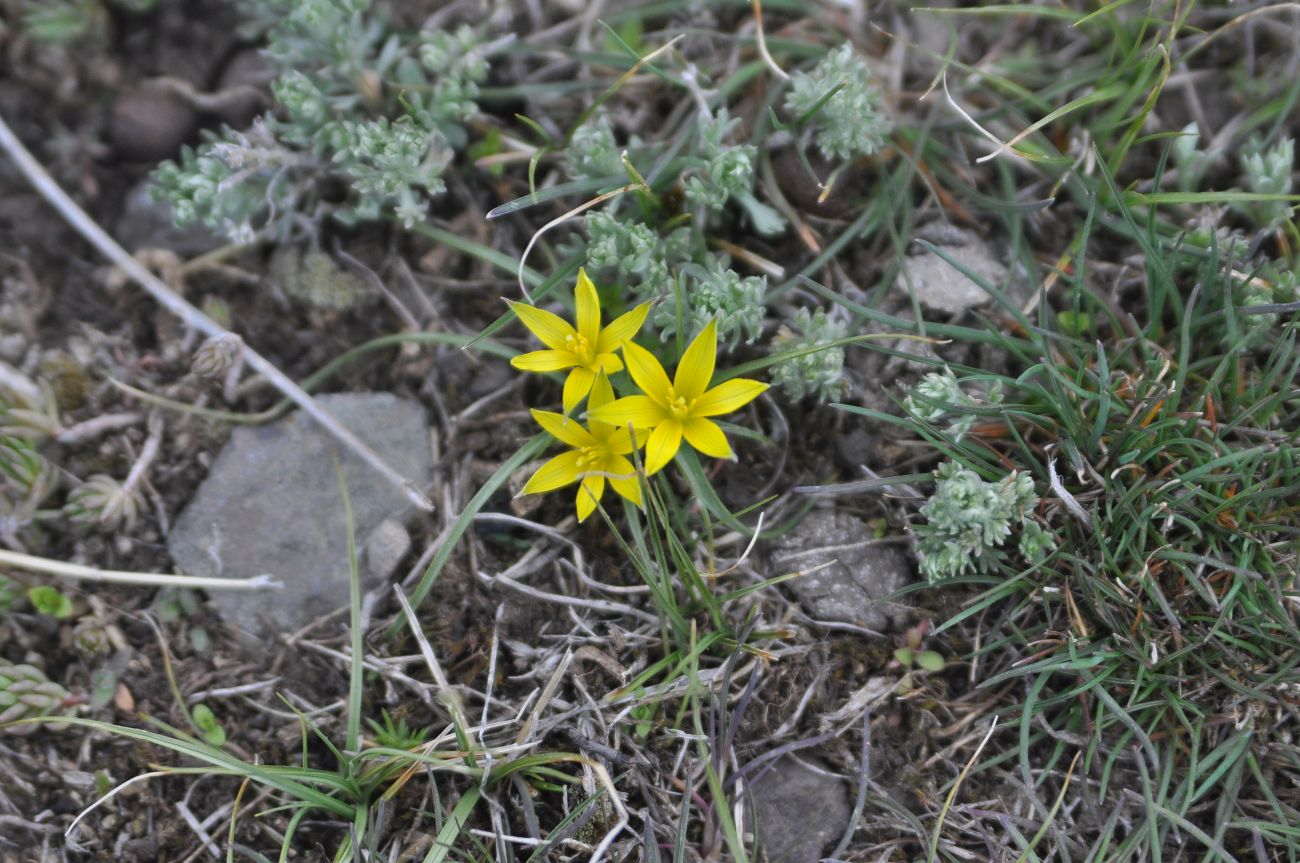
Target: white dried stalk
189, 314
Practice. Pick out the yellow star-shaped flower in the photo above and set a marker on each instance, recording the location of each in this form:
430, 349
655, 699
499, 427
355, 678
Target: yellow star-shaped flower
587, 349
597, 455
679, 408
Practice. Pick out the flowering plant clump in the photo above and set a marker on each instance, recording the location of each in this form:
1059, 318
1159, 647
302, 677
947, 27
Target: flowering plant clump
659, 417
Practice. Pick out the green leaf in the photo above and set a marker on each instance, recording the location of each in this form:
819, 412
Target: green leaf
766, 220
208, 726
1076, 324
449, 836
929, 660
48, 600
488, 145
904, 656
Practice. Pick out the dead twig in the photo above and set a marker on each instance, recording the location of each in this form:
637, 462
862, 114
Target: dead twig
43, 565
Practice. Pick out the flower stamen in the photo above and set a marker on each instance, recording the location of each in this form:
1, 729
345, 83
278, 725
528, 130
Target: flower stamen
679, 407
577, 344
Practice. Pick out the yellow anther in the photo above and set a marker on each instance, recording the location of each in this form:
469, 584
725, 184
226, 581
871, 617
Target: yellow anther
577, 343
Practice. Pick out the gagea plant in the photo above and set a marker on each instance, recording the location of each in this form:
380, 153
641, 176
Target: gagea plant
658, 413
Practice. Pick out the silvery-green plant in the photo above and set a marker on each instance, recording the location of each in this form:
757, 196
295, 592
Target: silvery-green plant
592, 153
382, 111
723, 170
933, 398
1191, 162
968, 520
634, 253
1273, 283
851, 122
819, 372
1268, 171
714, 291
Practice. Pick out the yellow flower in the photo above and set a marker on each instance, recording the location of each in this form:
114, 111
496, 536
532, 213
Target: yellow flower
587, 349
680, 408
596, 455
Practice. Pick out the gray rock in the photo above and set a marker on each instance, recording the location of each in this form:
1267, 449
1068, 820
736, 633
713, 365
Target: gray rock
801, 811
272, 504
850, 590
387, 544
940, 286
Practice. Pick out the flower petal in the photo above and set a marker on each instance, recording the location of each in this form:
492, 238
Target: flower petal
696, 368
707, 437
552, 329
663, 444
576, 387
728, 396
647, 373
621, 442
556, 473
623, 479
601, 392
622, 328
640, 411
587, 303
609, 363
545, 361
565, 429
593, 486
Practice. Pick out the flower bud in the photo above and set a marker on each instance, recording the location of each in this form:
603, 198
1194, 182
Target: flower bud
217, 355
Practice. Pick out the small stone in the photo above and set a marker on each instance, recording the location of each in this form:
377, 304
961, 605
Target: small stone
149, 223
387, 544
242, 88
853, 587
941, 287
801, 811
149, 122
854, 449
272, 504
